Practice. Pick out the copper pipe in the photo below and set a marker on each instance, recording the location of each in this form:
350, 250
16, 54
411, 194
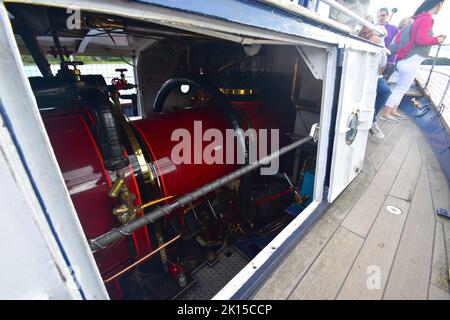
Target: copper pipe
149, 204
294, 79
230, 64
131, 266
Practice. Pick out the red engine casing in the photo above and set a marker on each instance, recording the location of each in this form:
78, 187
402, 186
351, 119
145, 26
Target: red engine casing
88, 181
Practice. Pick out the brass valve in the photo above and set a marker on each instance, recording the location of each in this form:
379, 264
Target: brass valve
126, 211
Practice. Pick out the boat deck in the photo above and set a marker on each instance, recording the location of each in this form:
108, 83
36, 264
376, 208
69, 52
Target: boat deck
360, 250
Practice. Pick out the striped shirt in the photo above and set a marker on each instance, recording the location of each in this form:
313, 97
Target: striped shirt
423, 51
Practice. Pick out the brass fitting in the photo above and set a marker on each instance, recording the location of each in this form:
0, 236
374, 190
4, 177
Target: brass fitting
104, 23
125, 211
116, 187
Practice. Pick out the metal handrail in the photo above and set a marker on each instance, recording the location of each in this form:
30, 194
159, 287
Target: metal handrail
333, 4
288, 4
440, 106
432, 67
435, 72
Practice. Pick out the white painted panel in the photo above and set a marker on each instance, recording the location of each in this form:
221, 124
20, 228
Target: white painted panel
28, 270
357, 95
42, 184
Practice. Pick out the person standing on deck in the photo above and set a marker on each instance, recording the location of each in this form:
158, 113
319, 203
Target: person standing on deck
411, 56
392, 31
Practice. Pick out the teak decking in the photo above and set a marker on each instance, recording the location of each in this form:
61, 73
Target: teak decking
358, 239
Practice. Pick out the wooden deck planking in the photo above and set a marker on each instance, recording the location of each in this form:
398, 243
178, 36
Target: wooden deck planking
325, 277
439, 270
428, 156
406, 181
441, 199
378, 156
436, 293
401, 246
410, 275
284, 280
377, 255
363, 214
388, 130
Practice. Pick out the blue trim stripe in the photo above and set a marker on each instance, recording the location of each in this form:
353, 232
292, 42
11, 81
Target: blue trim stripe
434, 130
10, 128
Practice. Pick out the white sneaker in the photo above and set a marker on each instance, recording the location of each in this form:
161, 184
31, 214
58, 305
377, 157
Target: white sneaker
376, 132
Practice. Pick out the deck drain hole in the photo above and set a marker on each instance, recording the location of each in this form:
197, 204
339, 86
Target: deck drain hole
393, 210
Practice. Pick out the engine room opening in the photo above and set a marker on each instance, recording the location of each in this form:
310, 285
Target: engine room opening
115, 148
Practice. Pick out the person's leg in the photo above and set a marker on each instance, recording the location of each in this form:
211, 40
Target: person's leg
407, 73
383, 93
388, 71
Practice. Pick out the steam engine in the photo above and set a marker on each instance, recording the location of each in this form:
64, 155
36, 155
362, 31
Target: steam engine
116, 169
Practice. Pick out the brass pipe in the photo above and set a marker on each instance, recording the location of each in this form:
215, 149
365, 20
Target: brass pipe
131, 266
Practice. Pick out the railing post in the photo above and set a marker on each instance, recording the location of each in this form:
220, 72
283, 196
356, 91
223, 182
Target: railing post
432, 67
441, 105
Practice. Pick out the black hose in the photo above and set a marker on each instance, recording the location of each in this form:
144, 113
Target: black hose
107, 130
63, 93
230, 113
213, 92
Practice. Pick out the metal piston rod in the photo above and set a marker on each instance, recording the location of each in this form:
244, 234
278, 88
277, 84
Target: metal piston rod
112, 236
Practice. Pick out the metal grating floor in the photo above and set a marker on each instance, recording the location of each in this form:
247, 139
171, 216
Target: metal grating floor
212, 278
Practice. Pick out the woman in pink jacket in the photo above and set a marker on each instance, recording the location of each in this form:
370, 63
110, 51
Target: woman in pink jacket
412, 55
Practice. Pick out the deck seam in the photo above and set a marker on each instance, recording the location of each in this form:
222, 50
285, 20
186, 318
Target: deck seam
432, 250
352, 265
347, 229
400, 198
434, 234
446, 254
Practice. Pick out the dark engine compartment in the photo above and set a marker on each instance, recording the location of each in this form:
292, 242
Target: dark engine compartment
117, 169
